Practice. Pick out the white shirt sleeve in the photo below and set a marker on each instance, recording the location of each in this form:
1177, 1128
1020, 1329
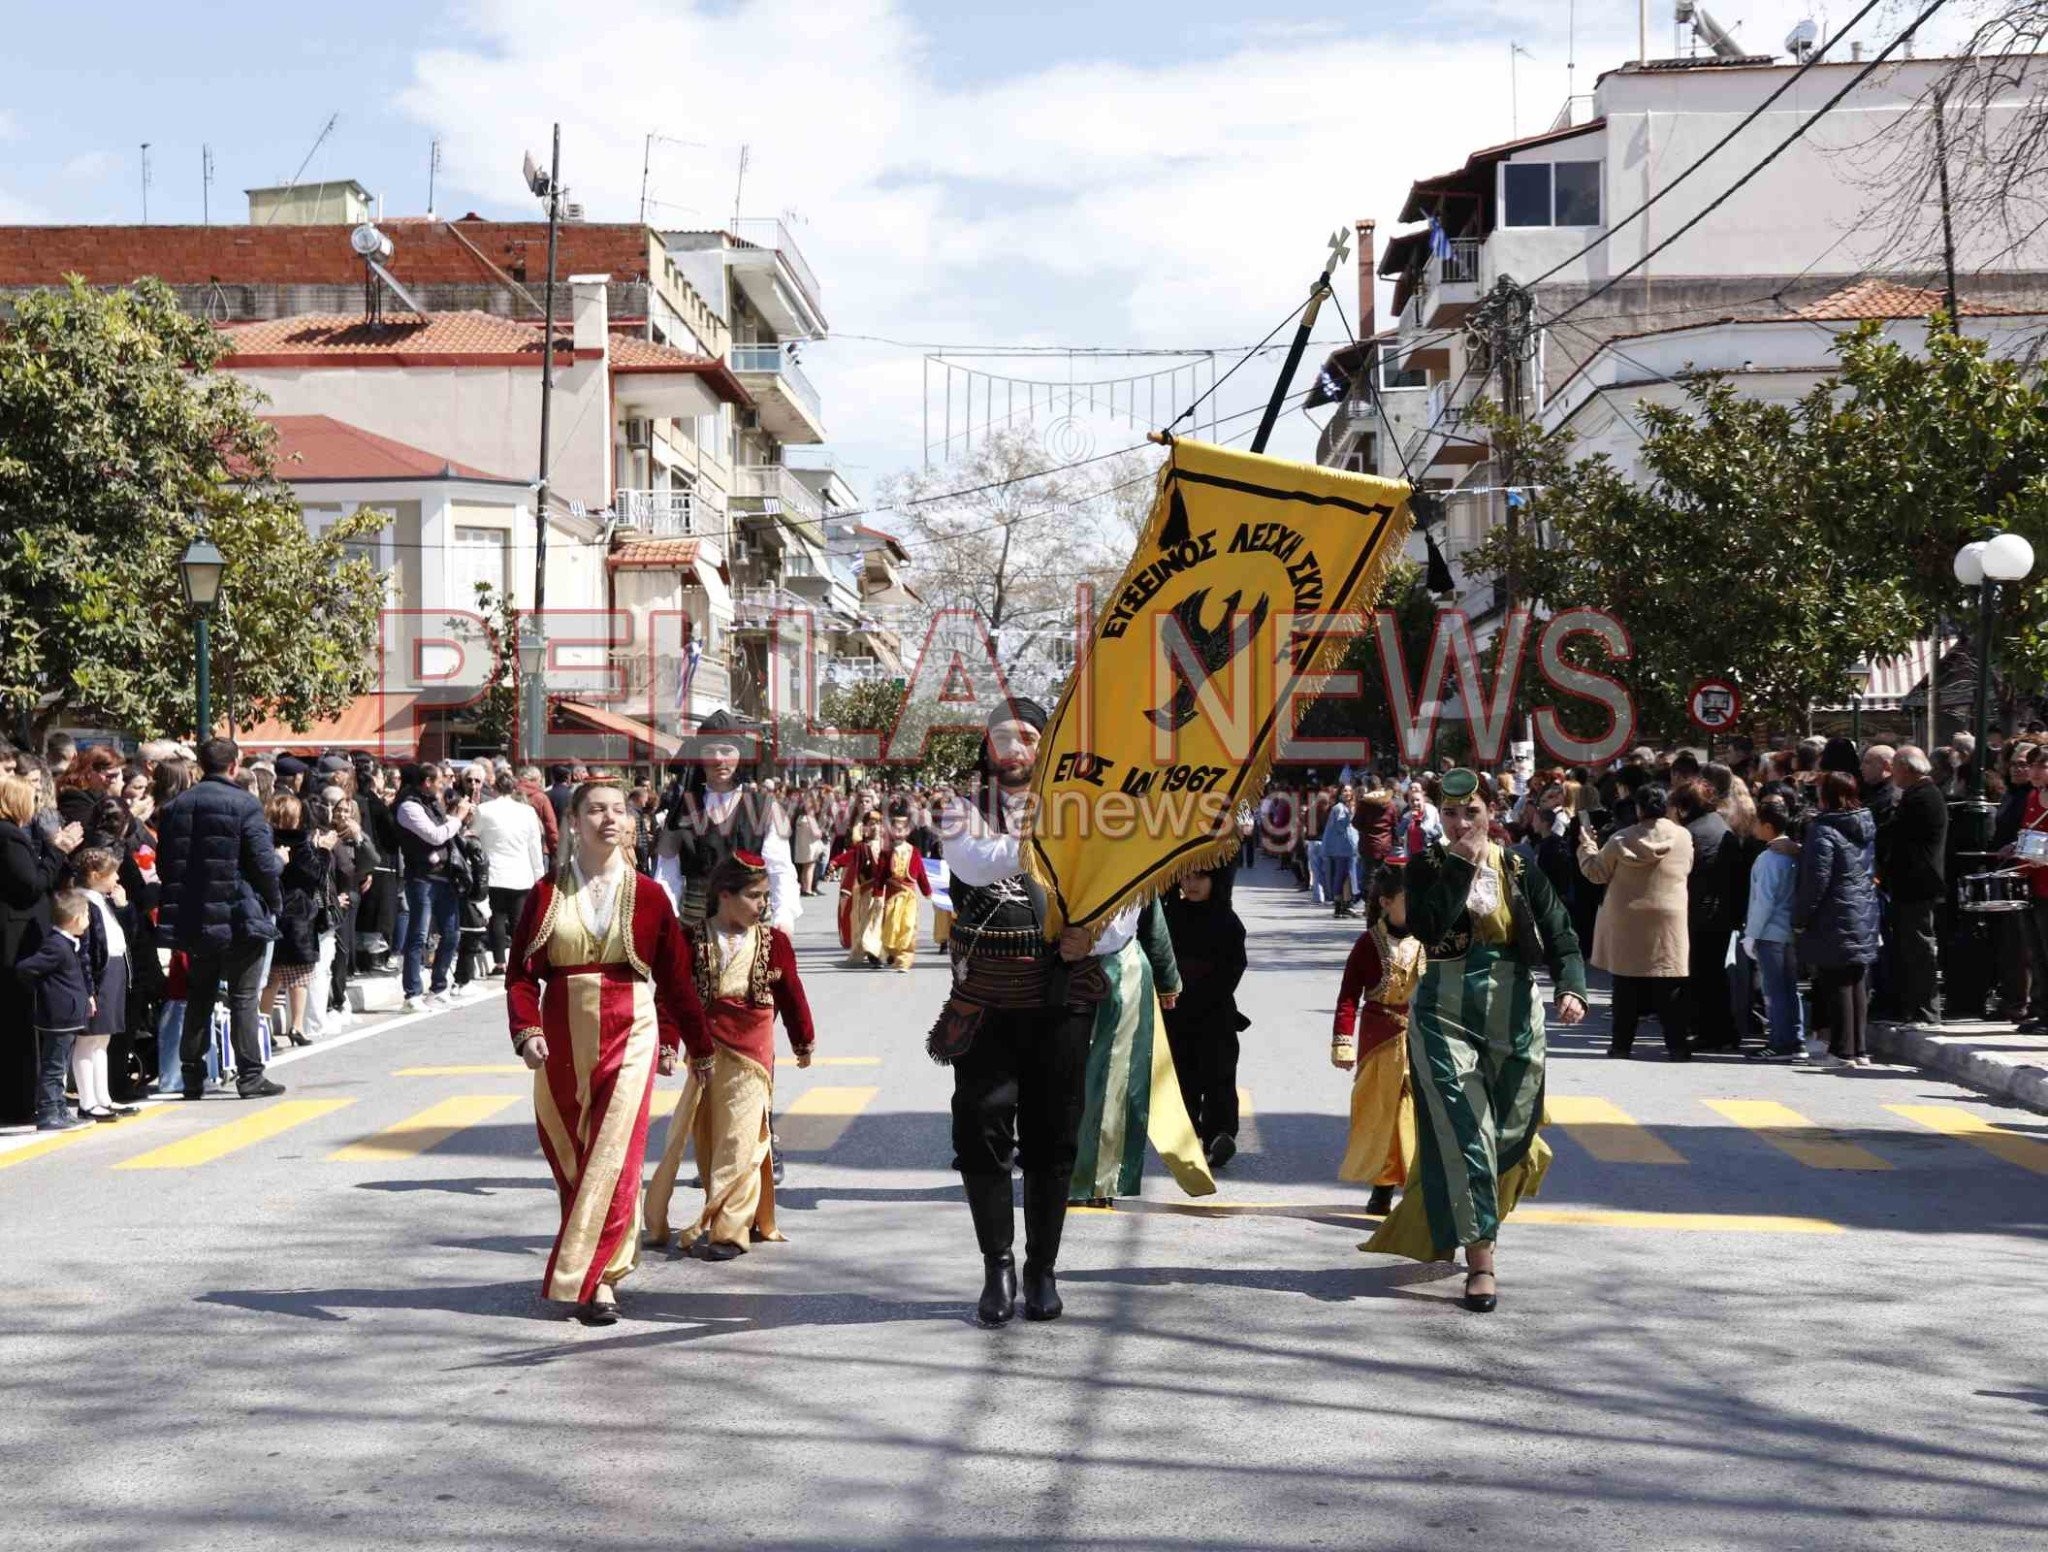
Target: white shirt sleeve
1121, 929
784, 894
536, 839
974, 853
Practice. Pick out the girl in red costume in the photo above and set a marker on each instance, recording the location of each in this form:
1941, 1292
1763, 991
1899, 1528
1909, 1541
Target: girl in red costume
599, 994
745, 973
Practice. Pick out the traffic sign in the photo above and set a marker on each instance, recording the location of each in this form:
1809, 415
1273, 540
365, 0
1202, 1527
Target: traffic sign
1714, 706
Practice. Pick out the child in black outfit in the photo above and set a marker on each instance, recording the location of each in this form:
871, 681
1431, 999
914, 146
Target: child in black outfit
1203, 1025
64, 1004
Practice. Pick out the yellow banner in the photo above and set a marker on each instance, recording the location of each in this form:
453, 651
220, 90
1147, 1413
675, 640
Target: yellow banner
1207, 648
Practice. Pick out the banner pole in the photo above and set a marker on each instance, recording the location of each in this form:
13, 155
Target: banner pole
1340, 248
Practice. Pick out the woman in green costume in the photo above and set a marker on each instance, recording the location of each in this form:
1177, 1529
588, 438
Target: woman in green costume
1132, 1092
1476, 1039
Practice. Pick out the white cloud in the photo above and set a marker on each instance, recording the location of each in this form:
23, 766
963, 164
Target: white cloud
1183, 202
90, 166
10, 127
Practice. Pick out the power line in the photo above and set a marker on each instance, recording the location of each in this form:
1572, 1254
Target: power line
1746, 120
1293, 313
1771, 156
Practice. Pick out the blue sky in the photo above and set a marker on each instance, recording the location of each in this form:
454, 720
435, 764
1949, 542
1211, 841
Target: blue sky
1100, 173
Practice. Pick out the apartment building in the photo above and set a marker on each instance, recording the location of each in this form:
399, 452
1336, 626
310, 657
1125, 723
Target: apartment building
1755, 289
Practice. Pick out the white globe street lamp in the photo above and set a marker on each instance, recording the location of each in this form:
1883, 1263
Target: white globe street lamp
1984, 564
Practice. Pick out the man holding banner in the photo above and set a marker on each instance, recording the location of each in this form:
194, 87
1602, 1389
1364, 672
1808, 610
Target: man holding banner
1242, 593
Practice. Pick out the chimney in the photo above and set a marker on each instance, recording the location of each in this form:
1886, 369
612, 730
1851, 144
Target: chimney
587, 319
1368, 286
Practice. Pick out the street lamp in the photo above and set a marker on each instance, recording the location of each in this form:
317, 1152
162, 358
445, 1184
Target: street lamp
1984, 564
200, 569
1859, 681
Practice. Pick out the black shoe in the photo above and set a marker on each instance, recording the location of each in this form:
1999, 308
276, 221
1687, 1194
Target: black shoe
263, 1088
1045, 1220
1681, 1054
101, 1116
1381, 1202
69, 1123
192, 1094
298, 1037
998, 1302
127, 1110
1618, 1052
596, 1314
1221, 1150
720, 1250
1480, 1303
1766, 1054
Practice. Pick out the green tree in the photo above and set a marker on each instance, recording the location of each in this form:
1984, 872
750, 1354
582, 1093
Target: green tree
119, 443
1728, 559
873, 705
497, 712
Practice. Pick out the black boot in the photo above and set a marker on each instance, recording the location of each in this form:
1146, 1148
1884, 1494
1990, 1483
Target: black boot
988, 1199
1045, 1215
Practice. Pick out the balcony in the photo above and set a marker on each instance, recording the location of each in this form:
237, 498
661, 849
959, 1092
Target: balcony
782, 494
765, 262
755, 608
1452, 282
664, 514
650, 686
788, 403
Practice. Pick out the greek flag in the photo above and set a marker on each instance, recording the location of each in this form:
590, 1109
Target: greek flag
1439, 241
692, 656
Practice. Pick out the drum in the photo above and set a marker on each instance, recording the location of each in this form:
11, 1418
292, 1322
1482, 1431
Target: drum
2031, 845
1991, 892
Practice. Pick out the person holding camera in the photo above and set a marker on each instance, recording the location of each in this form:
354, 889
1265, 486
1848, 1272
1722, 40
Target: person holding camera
426, 831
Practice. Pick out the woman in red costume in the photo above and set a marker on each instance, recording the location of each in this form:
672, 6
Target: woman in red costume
746, 974
599, 994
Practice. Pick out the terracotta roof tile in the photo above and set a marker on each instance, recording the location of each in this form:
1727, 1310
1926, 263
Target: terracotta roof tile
655, 555
319, 447
1890, 299
332, 335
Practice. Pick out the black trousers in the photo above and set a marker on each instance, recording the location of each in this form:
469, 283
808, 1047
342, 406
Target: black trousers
1662, 995
240, 969
1915, 961
1841, 997
1018, 1092
2034, 926
1709, 1014
506, 904
344, 955
1205, 1051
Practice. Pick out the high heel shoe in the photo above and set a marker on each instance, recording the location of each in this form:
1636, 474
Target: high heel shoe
1481, 1303
298, 1037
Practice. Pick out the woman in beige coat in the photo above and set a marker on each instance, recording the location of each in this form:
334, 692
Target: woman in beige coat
1640, 937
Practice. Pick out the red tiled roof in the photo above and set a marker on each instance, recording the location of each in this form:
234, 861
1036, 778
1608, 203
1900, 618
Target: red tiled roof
632, 353
1889, 299
655, 555
340, 336
319, 447
381, 721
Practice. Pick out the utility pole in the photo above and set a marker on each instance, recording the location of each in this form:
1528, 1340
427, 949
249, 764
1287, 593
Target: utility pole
1948, 232
1501, 326
145, 183
433, 166
553, 194
206, 185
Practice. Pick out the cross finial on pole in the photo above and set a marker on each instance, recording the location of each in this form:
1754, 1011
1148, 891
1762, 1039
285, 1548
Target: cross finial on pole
1340, 250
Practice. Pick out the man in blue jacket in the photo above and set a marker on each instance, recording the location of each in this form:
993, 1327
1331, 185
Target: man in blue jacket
219, 903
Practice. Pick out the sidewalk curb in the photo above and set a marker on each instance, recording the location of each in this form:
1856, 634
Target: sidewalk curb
1973, 1060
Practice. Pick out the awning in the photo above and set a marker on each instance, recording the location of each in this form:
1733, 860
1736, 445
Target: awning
1897, 681
380, 723
598, 720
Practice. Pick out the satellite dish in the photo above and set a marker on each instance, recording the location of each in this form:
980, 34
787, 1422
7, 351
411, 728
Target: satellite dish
369, 243
535, 178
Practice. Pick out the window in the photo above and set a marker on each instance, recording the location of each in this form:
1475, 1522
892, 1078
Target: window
1550, 194
1397, 374
478, 555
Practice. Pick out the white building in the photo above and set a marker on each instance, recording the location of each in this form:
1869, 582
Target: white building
1548, 212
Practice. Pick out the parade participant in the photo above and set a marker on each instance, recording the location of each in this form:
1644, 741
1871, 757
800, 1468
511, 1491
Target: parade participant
898, 879
1202, 1026
599, 994
868, 861
1015, 1029
745, 974
710, 815
1370, 1040
846, 863
1475, 1039
1126, 1062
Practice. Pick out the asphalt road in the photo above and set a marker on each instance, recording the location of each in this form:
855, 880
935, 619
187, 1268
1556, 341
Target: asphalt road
1817, 1325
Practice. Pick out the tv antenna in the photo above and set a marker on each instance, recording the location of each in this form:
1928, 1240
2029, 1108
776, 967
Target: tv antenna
145, 183
318, 141
206, 185
433, 166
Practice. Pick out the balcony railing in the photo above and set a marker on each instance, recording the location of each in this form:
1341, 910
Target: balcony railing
754, 608
663, 513
780, 491
773, 360
1460, 267
768, 232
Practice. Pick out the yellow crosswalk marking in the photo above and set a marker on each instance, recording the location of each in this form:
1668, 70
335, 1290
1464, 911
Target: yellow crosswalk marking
1785, 1128
56, 1140
1725, 1223
1248, 1138
429, 1129
1953, 1121
820, 1117
846, 1061
1607, 1131
219, 1141
477, 1070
